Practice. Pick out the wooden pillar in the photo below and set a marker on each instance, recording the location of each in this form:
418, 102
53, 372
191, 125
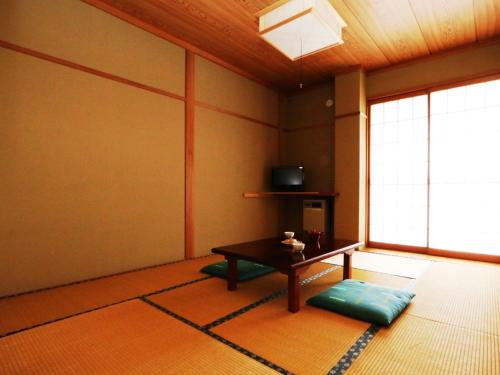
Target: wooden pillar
350, 155
189, 156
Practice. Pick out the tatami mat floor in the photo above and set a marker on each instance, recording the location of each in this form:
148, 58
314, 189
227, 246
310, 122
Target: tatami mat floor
420, 346
131, 337
309, 342
31, 309
174, 320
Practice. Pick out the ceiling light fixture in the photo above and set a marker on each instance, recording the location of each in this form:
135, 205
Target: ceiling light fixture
298, 28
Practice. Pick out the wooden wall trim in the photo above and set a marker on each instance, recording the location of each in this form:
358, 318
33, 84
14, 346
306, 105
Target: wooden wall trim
410, 94
367, 174
309, 127
428, 205
87, 69
101, 5
189, 156
441, 85
326, 125
351, 114
234, 114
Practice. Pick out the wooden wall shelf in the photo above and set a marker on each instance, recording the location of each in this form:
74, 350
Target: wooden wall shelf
314, 194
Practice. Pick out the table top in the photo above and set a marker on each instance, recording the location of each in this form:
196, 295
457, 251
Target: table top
271, 252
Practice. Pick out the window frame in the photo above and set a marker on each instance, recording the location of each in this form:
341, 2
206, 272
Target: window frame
408, 94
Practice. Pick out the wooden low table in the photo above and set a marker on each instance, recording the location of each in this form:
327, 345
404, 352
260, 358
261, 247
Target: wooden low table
271, 252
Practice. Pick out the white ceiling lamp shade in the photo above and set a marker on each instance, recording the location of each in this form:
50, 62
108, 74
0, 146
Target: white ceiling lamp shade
298, 28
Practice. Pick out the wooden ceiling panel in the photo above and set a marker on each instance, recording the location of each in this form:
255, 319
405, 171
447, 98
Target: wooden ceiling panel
378, 33
393, 27
487, 15
358, 41
255, 6
445, 24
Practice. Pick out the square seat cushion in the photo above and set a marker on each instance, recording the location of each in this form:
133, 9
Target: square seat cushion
361, 300
246, 270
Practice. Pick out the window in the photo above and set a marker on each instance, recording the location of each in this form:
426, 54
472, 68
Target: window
435, 170
464, 204
398, 171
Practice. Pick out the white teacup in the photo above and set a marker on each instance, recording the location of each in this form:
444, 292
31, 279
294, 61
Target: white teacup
289, 234
299, 246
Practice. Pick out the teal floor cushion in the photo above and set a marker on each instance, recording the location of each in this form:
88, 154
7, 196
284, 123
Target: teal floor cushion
246, 270
361, 300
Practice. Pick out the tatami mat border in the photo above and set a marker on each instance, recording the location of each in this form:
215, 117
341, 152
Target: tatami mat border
245, 309
354, 351
176, 286
218, 338
207, 328
108, 305
266, 299
63, 318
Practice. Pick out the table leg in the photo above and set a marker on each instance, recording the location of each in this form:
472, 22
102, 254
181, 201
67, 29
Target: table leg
293, 291
232, 273
348, 264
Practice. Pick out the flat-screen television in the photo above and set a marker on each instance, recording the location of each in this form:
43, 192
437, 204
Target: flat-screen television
288, 178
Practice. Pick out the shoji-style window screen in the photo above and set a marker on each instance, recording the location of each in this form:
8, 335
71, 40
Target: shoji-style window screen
398, 171
435, 170
464, 209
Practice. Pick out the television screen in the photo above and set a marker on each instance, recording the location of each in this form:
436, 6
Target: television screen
288, 178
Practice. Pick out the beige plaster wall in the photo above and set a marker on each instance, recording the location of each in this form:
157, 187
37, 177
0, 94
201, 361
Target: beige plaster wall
92, 175
80, 33
222, 88
454, 66
232, 156
92, 170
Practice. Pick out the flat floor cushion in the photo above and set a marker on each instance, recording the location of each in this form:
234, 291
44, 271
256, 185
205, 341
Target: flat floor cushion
361, 300
246, 270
